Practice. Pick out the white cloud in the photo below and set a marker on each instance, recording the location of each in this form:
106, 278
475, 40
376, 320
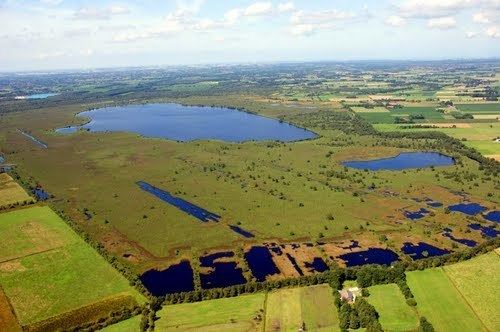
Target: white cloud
318, 17
434, 8
493, 32
471, 34
43, 56
286, 7
259, 9
95, 13
480, 18
233, 15
442, 23
395, 21
51, 2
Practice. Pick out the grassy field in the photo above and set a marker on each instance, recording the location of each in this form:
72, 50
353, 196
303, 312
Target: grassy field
477, 135
129, 325
250, 183
47, 270
229, 314
11, 192
478, 280
288, 309
480, 108
441, 303
395, 314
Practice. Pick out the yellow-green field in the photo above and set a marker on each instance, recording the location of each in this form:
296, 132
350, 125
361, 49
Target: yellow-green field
129, 325
242, 313
46, 270
395, 314
441, 303
477, 135
281, 310
11, 192
312, 307
478, 281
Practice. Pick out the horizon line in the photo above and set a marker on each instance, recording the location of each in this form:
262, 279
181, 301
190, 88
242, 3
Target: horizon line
241, 63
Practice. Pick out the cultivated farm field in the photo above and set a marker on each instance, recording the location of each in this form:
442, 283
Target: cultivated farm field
312, 307
229, 314
441, 303
46, 270
395, 313
478, 280
11, 192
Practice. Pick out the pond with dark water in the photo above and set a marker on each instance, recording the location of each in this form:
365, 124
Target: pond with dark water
260, 262
470, 209
370, 256
422, 250
175, 279
222, 273
188, 123
405, 160
181, 204
493, 216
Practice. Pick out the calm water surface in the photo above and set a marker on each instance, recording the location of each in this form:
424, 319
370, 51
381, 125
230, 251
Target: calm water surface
406, 160
188, 123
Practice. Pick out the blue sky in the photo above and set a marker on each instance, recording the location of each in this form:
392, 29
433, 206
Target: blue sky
57, 34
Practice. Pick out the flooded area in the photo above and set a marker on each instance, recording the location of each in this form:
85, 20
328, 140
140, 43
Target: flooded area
406, 160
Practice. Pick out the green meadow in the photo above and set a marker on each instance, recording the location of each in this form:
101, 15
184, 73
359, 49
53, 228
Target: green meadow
478, 280
47, 270
395, 314
229, 314
312, 307
441, 303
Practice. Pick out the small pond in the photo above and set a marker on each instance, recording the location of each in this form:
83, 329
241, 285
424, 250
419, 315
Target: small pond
370, 256
38, 96
493, 216
470, 209
188, 123
415, 215
222, 274
488, 231
317, 265
41, 194
466, 242
175, 279
241, 231
405, 160
422, 250
260, 262
294, 263
181, 204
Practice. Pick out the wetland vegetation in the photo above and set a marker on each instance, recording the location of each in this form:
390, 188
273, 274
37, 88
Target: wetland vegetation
298, 180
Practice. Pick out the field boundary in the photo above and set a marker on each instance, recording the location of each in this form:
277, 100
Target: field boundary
85, 314
465, 299
9, 309
33, 254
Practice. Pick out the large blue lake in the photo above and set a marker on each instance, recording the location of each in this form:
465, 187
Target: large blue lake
188, 123
405, 160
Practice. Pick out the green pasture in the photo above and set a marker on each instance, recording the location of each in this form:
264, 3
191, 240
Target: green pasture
441, 303
493, 108
478, 280
46, 269
129, 325
289, 309
477, 135
228, 314
395, 314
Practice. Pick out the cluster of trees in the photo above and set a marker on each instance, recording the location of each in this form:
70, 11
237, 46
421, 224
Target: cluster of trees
359, 315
